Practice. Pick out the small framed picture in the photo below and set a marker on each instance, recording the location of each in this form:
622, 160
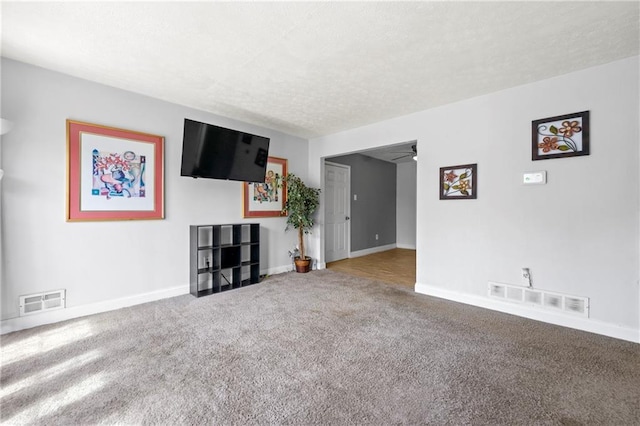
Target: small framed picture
266, 199
459, 182
561, 136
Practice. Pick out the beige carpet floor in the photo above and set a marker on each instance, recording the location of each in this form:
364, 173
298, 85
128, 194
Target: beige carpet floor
318, 348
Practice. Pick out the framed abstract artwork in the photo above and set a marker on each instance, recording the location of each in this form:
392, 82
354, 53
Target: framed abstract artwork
266, 199
561, 136
113, 174
459, 182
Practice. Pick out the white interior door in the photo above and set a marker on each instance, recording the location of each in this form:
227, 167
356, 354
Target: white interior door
337, 210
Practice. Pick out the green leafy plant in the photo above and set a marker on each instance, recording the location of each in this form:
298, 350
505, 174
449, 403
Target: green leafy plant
302, 202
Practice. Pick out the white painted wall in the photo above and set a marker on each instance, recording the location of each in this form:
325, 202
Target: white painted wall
579, 234
406, 205
103, 261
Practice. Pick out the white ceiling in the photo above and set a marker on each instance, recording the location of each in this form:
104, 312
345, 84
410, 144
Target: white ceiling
316, 68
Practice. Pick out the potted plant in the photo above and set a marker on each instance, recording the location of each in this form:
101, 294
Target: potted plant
301, 203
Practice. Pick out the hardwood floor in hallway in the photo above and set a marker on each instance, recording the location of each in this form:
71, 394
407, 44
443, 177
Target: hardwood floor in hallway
397, 266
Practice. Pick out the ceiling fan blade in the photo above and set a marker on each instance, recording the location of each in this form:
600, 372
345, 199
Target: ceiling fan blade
402, 156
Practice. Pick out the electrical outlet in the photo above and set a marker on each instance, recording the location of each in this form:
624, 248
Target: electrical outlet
526, 277
376, 237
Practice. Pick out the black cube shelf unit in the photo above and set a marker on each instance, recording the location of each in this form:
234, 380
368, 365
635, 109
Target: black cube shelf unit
223, 257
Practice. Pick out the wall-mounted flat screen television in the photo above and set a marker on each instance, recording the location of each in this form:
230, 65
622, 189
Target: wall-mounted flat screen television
214, 152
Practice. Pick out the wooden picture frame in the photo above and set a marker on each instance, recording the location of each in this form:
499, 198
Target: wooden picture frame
560, 136
113, 174
459, 182
266, 199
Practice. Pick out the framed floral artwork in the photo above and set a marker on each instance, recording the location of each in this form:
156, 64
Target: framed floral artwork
113, 174
561, 136
459, 182
266, 199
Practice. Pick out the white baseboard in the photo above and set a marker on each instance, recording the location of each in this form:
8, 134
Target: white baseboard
288, 268
406, 246
565, 320
20, 323
277, 270
372, 250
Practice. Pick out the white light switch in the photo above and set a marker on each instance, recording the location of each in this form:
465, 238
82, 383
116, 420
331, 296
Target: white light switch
534, 178
355, 197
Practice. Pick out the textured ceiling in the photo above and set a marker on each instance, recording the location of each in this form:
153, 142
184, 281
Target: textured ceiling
316, 68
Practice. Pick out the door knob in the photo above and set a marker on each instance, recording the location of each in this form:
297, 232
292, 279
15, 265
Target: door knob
347, 218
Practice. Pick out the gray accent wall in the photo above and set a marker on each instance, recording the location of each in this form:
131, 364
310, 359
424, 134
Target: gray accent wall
406, 205
373, 181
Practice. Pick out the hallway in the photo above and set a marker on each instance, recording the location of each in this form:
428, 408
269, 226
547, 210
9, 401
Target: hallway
397, 267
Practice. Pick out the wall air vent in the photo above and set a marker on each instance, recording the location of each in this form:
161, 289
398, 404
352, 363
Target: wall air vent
548, 300
552, 301
575, 304
533, 296
40, 302
514, 293
497, 290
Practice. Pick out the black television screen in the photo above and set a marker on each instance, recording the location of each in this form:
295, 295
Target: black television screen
214, 152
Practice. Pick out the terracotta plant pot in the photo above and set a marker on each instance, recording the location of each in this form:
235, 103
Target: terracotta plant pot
302, 265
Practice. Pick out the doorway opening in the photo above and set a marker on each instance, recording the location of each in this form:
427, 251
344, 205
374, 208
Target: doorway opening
379, 205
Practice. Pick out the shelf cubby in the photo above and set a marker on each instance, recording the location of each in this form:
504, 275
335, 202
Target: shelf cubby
223, 257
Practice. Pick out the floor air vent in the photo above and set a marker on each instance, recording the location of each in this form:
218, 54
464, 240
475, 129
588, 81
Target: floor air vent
544, 299
34, 303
